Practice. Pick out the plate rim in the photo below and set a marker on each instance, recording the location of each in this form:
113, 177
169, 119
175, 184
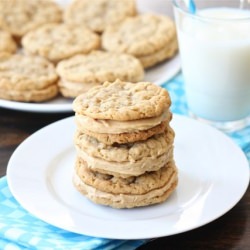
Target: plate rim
143, 235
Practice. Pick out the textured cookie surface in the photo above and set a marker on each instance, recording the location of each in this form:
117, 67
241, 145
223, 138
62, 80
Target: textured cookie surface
21, 72
99, 66
123, 101
7, 43
20, 16
126, 199
140, 35
97, 14
60, 41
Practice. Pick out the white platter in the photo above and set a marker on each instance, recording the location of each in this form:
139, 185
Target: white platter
213, 177
158, 74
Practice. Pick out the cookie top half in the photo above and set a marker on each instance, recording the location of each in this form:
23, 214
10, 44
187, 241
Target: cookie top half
60, 41
97, 14
19, 72
140, 35
20, 16
123, 101
101, 66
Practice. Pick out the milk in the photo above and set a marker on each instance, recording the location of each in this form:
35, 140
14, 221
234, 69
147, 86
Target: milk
216, 63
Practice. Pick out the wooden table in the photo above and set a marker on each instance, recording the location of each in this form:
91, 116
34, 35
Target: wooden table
231, 231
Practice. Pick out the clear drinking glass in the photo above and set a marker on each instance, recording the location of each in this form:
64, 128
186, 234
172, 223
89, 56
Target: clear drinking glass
214, 45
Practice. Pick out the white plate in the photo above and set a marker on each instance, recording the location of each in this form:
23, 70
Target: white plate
213, 176
158, 74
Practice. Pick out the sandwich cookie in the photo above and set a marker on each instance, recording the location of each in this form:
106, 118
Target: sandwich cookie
149, 37
27, 78
82, 72
147, 189
124, 160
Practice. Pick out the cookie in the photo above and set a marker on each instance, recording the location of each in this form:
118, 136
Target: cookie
123, 101
20, 16
82, 72
143, 35
27, 78
7, 43
147, 189
60, 41
98, 14
125, 160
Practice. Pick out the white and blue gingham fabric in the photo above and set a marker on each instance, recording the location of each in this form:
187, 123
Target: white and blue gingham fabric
20, 230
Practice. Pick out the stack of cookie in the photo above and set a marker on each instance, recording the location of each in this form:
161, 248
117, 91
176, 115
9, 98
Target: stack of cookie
124, 145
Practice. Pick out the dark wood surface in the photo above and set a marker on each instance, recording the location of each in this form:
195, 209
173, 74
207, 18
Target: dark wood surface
231, 231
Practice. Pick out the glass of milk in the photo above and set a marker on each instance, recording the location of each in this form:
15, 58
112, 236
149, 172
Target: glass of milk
214, 45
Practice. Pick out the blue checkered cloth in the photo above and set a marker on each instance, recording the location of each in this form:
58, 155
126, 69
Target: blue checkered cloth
21, 230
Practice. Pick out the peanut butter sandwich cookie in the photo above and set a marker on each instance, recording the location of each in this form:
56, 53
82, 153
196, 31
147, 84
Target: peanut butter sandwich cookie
27, 78
136, 191
7, 43
97, 14
122, 112
82, 72
60, 41
129, 159
20, 16
124, 145
149, 37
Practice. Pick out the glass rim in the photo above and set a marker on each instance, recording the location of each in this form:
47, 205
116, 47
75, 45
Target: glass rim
209, 19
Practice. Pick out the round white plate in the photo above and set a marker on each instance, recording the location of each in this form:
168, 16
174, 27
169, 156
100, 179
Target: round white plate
213, 176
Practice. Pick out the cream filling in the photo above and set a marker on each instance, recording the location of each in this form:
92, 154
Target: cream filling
117, 127
127, 168
126, 199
